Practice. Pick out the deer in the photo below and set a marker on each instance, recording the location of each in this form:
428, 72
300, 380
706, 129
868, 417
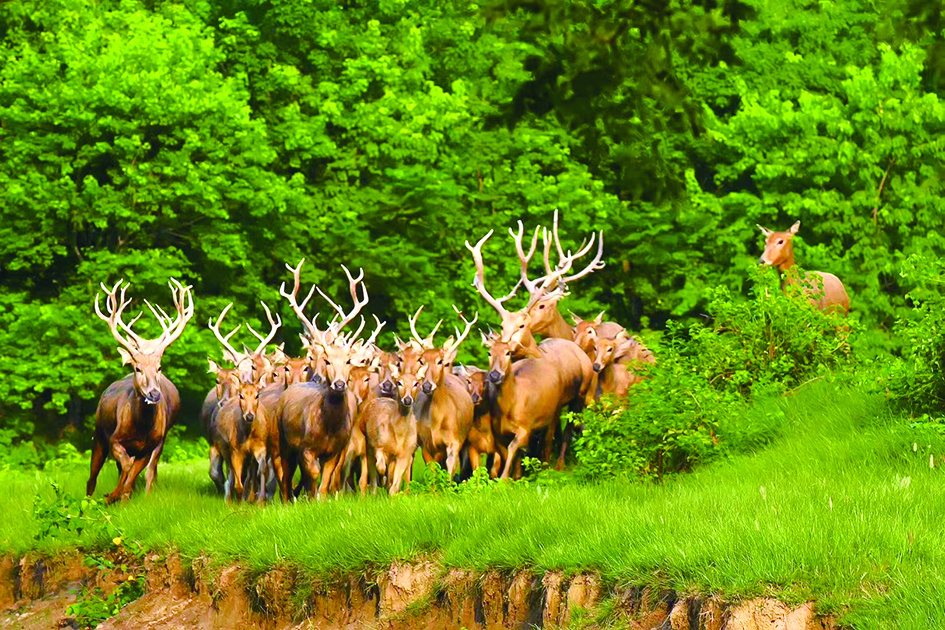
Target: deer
574, 367
315, 419
240, 434
135, 413
480, 441
824, 290
544, 316
617, 360
391, 431
445, 414
250, 366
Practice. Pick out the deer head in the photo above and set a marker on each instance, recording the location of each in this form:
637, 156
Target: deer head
407, 382
439, 361
144, 355
249, 398
778, 250
224, 385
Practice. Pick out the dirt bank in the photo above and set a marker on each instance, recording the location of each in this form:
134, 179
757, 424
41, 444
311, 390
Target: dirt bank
35, 592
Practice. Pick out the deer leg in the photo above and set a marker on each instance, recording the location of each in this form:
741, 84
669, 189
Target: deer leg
136, 467
329, 467
565, 440
311, 468
261, 474
216, 468
400, 467
98, 459
521, 437
125, 462
473, 458
549, 442
150, 475
236, 469
288, 472
452, 458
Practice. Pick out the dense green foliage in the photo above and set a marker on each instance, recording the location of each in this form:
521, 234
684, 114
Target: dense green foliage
681, 414
217, 141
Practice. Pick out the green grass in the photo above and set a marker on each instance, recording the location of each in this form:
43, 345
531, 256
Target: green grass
844, 509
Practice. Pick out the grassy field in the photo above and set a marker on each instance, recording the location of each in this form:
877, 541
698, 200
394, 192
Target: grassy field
845, 508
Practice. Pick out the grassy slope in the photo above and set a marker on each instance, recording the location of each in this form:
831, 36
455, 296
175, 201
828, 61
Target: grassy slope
844, 509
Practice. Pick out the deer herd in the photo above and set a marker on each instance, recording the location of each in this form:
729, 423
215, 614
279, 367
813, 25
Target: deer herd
349, 414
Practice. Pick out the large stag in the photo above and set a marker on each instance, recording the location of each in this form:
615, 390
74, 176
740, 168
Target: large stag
135, 413
824, 290
315, 419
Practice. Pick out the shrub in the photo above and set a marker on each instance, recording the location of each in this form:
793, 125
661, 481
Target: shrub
706, 376
917, 382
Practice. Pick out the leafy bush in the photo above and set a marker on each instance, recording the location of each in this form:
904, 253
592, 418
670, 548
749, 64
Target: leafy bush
706, 375
918, 382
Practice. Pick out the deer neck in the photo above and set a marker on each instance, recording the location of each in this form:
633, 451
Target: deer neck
788, 261
559, 328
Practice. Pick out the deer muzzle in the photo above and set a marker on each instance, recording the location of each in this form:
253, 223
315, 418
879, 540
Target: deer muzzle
475, 398
250, 417
387, 388
428, 387
153, 397
495, 376
338, 386
407, 401
597, 367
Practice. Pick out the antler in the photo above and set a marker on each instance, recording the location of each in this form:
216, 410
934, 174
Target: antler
424, 342
274, 325
353, 282
479, 281
310, 328
115, 307
171, 327
568, 259
234, 356
184, 305
453, 345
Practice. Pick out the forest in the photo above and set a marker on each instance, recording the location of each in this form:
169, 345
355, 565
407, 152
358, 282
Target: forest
215, 142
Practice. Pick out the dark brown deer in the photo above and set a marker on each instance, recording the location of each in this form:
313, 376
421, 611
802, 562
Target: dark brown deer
480, 441
135, 413
824, 290
315, 419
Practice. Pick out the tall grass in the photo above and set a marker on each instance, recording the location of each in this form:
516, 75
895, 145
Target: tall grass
844, 509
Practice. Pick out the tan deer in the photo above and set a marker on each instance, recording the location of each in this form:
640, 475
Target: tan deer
227, 382
391, 431
135, 413
240, 434
445, 413
575, 371
824, 290
544, 317
619, 361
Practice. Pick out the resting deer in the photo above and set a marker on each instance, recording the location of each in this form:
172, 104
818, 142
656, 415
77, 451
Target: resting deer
135, 413
779, 253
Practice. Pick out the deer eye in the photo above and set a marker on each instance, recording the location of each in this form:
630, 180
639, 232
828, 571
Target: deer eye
521, 326
781, 242
400, 383
241, 396
159, 369
509, 353
440, 362
541, 306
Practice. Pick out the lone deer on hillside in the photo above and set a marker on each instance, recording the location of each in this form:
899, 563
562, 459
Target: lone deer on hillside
135, 413
779, 253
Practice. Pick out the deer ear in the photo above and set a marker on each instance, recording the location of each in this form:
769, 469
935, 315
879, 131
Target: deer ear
764, 230
125, 356
577, 320
795, 227
599, 319
214, 368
